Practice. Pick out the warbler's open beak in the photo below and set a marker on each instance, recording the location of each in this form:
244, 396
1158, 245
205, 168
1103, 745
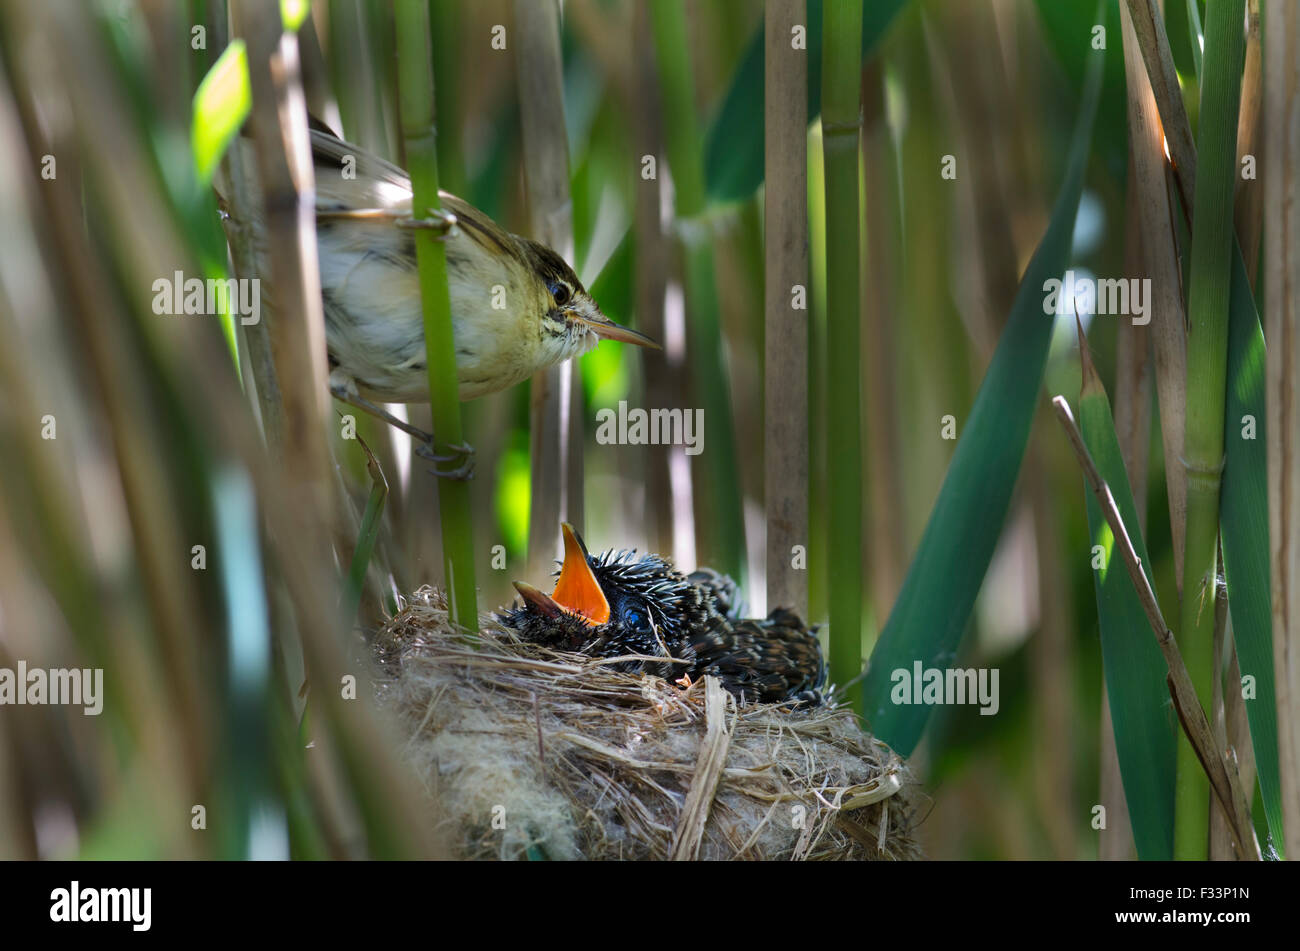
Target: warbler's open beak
606, 329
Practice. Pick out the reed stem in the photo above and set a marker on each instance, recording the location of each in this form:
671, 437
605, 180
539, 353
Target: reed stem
1207, 351
419, 131
1281, 164
785, 205
841, 124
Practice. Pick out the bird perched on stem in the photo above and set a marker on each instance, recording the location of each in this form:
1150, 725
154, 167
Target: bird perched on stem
516, 306
680, 626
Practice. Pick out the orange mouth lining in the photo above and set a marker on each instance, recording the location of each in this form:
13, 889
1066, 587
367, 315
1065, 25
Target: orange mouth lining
577, 591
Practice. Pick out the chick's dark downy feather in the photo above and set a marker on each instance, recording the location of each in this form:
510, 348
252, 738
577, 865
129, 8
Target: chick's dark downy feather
692, 622
772, 658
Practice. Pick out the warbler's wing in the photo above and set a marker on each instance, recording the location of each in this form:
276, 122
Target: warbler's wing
352, 182
479, 227
350, 179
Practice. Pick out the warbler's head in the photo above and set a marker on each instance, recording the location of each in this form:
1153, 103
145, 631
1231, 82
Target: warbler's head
517, 306
610, 604
571, 320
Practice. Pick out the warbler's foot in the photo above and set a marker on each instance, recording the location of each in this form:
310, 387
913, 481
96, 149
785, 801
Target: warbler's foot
460, 452
344, 389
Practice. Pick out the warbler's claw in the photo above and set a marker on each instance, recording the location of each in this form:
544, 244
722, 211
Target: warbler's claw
462, 473
459, 451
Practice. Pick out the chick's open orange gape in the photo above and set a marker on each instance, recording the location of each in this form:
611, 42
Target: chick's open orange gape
679, 627
577, 589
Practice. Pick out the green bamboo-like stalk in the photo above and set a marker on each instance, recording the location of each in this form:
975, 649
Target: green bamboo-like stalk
415, 89
816, 375
841, 121
1244, 540
1207, 350
724, 541
416, 508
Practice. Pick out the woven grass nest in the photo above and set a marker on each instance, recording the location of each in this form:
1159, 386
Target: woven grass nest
531, 753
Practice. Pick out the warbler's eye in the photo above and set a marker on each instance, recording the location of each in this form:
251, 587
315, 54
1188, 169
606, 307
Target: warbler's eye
561, 292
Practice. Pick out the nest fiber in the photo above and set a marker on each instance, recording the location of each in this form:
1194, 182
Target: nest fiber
530, 753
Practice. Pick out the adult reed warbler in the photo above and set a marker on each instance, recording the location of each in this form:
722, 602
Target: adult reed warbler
516, 305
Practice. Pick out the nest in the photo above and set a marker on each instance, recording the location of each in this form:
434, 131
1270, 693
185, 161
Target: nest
531, 753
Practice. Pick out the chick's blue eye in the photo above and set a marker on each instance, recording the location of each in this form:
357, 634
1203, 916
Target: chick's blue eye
634, 617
